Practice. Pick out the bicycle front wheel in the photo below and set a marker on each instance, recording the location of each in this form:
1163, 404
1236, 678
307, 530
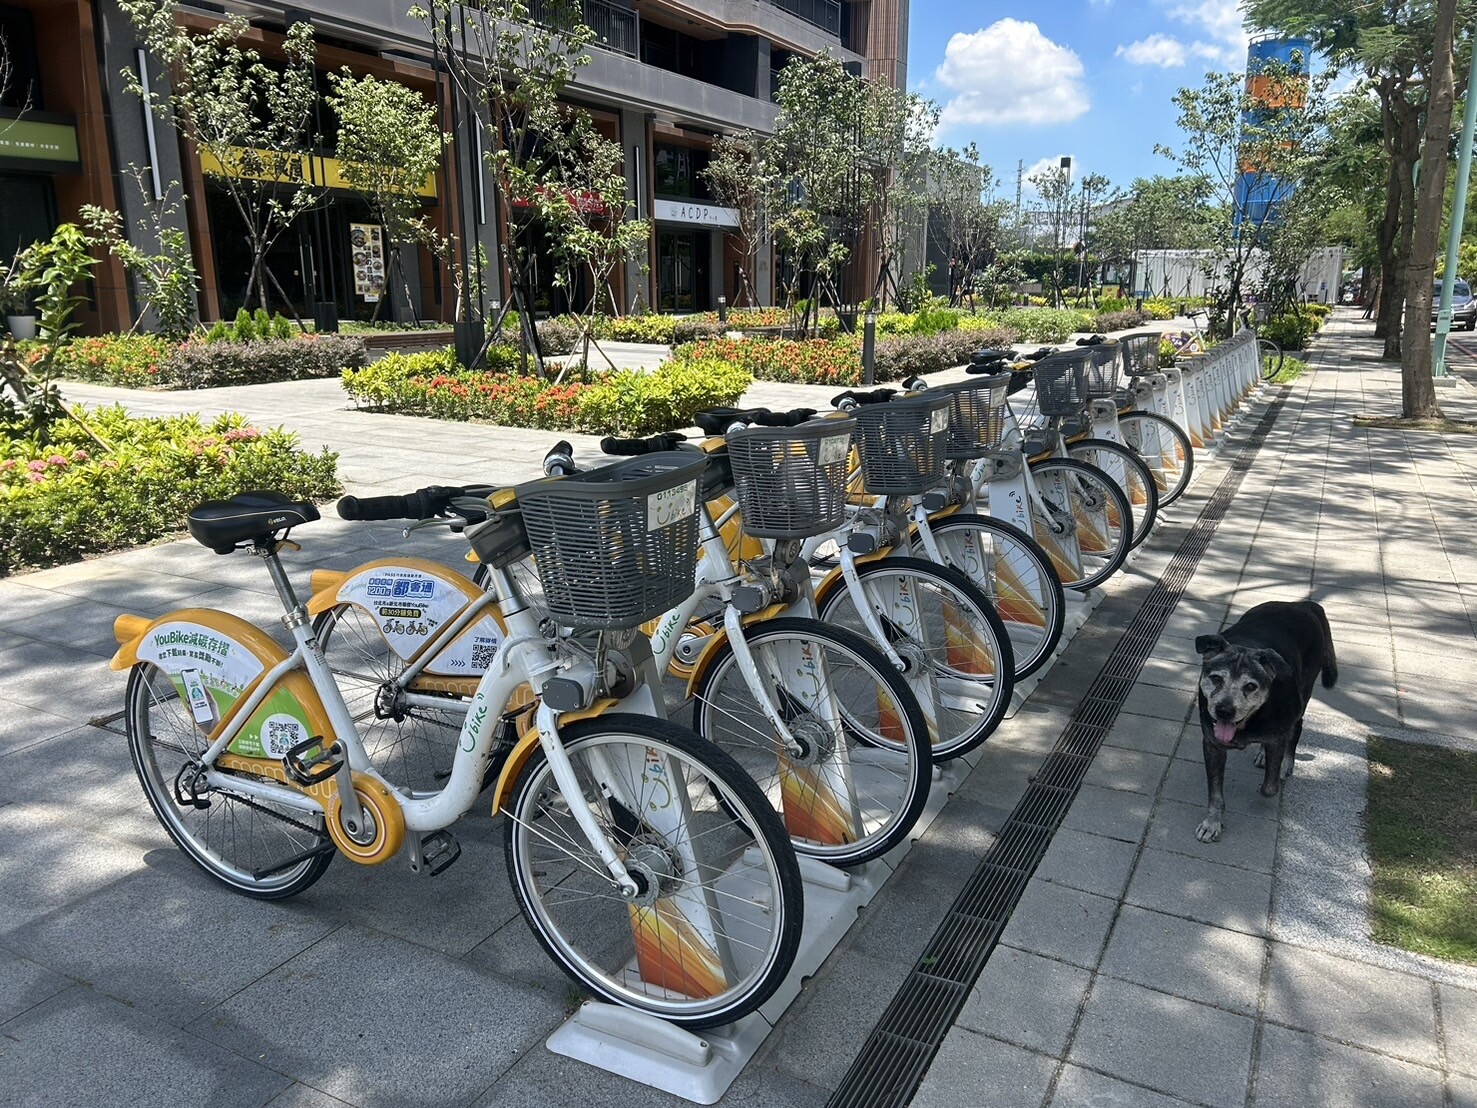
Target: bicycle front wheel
1083, 497
258, 848
860, 778
715, 922
954, 648
1016, 574
1163, 444
1271, 358
1131, 474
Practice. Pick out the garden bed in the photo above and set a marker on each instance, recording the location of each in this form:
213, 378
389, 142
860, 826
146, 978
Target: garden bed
147, 361
71, 497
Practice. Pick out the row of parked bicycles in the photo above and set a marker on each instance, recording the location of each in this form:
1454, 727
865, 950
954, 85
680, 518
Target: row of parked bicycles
674, 674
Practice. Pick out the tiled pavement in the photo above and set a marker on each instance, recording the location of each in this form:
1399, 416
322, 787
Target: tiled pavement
1141, 968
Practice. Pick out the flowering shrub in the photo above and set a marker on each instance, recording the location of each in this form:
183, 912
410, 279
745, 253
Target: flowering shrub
803, 361
622, 402
73, 498
1122, 320
133, 361
1041, 324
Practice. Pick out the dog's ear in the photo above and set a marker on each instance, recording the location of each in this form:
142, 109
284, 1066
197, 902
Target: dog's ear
1274, 663
1209, 644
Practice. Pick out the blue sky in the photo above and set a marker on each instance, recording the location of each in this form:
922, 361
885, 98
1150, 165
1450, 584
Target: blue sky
1088, 78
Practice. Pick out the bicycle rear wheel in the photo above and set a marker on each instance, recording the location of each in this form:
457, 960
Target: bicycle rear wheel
258, 848
716, 921
1130, 473
1016, 574
956, 649
860, 781
1163, 444
1083, 496
1271, 357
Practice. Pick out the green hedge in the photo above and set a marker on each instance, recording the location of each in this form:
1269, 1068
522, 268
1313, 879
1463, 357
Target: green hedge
620, 402
72, 498
839, 361
144, 361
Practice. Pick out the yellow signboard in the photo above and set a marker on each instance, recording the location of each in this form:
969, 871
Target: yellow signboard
34, 140
269, 165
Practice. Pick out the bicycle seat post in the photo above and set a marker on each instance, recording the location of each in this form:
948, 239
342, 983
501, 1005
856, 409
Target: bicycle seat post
293, 612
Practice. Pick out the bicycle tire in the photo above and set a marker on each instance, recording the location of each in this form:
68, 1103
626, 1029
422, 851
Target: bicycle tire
1095, 498
231, 839
957, 649
1269, 352
1016, 574
724, 852
1138, 482
869, 740
412, 748
1154, 436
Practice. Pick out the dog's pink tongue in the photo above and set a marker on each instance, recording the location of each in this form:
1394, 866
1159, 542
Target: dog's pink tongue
1225, 733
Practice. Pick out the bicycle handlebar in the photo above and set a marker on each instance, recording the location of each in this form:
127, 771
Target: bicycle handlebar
852, 398
634, 448
425, 503
718, 421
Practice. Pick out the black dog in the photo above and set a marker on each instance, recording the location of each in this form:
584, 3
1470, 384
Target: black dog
1255, 683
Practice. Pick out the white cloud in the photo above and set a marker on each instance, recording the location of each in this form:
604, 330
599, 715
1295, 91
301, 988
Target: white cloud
1046, 165
1157, 49
1009, 73
1219, 21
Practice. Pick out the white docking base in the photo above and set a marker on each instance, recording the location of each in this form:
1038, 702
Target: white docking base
700, 1066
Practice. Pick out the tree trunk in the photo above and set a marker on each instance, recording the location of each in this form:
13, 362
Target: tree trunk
1417, 391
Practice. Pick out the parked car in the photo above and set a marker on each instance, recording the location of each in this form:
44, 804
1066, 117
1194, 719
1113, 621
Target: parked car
1463, 305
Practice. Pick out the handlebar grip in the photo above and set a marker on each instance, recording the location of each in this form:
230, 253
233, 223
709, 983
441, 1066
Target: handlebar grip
634, 448
793, 418
421, 504
876, 396
915, 383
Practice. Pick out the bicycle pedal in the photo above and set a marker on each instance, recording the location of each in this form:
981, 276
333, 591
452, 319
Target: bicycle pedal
311, 761
435, 853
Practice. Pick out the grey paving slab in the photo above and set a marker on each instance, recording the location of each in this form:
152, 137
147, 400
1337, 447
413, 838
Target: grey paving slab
1092, 863
303, 1096
1254, 845
542, 1079
1193, 960
24, 984
434, 1009
1146, 1037
72, 680
22, 726
1463, 1091
1146, 733
1459, 1027
1112, 812
1353, 1002
974, 1070
825, 1029
1026, 999
1298, 1070
1159, 702
1080, 1088
1206, 892
47, 865
512, 953
1132, 770
1185, 782
81, 1048
1060, 923
216, 942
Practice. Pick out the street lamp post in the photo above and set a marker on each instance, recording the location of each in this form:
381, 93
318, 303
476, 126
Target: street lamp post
1458, 216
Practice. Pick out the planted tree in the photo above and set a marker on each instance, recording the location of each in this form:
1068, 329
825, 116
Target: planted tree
962, 222
389, 145
740, 176
166, 279
1159, 213
249, 119
894, 154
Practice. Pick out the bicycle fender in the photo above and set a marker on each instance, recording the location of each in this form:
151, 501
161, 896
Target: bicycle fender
523, 750
409, 598
705, 659
215, 661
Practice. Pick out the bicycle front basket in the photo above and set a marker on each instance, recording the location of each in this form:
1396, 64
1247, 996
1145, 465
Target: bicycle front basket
1140, 353
1101, 371
618, 545
903, 443
791, 481
1061, 386
976, 415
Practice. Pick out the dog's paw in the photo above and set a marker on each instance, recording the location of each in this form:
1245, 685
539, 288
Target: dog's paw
1260, 758
1209, 830
1288, 765
1272, 787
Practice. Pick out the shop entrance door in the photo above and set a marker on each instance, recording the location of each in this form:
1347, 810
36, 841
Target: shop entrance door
683, 262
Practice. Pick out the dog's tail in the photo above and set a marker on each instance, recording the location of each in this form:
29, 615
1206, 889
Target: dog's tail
1330, 659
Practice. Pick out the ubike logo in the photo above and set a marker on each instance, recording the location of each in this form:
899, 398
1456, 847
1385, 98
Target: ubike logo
665, 631
656, 775
474, 727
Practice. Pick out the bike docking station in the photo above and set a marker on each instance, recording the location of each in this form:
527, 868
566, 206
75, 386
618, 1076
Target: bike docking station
700, 1066
1205, 396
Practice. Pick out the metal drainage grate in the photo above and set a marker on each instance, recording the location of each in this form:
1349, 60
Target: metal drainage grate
896, 1055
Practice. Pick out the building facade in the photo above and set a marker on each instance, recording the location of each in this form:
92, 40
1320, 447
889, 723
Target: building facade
666, 79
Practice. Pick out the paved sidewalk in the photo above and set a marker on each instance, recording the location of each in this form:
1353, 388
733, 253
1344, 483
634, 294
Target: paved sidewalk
1145, 968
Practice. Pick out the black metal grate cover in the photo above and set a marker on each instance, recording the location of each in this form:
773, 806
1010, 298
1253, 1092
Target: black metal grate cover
900, 1048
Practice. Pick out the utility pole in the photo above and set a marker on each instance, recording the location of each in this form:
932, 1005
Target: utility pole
1458, 217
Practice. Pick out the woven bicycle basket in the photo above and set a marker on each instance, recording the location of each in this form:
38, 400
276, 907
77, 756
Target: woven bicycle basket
904, 443
1140, 353
618, 545
1061, 386
976, 415
1101, 375
791, 481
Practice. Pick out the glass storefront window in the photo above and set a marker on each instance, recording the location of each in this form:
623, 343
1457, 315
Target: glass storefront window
679, 172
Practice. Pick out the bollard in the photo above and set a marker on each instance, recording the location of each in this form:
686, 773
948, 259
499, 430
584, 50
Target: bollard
869, 348
723, 309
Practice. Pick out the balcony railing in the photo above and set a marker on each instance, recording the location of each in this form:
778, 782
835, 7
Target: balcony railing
825, 14
614, 26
